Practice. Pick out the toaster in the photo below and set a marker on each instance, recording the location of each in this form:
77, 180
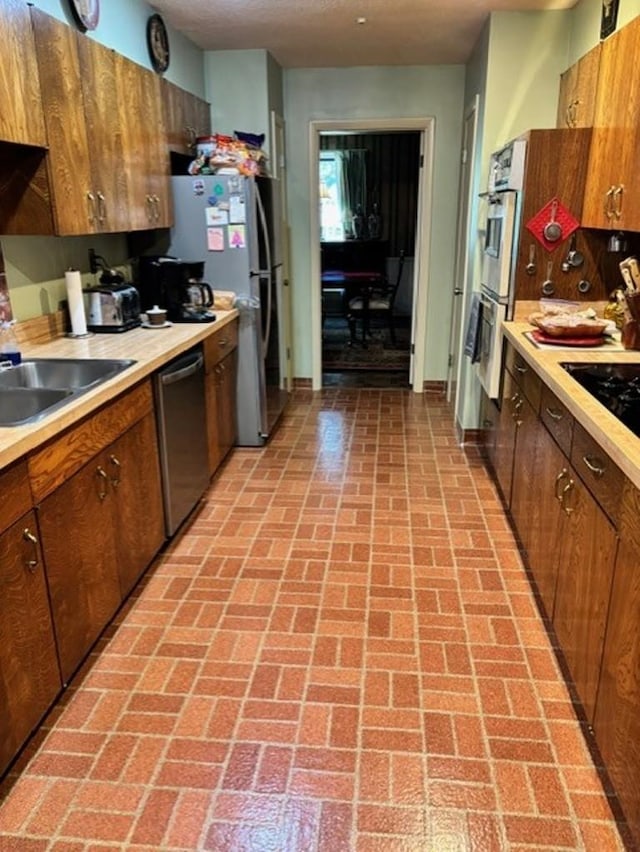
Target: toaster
112, 308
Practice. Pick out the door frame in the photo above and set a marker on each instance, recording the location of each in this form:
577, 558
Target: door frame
426, 127
462, 269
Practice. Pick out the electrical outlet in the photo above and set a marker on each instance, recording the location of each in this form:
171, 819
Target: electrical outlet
93, 262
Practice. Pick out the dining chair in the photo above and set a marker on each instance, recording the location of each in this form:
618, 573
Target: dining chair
375, 302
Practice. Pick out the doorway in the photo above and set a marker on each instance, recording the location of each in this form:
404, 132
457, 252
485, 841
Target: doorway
418, 275
368, 186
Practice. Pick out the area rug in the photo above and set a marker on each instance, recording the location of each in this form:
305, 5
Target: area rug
338, 354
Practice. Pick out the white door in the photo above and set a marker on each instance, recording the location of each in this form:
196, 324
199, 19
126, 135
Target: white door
461, 269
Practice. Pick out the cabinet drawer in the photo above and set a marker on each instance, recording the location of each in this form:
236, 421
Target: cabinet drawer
526, 377
65, 455
557, 419
15, 494
602, 477
220, 343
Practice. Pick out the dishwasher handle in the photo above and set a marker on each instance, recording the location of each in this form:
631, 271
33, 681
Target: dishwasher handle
172, 376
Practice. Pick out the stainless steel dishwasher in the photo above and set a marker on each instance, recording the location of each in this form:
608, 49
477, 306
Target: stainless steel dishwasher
182, 432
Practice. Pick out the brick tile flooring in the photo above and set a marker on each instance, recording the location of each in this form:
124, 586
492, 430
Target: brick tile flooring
342, 652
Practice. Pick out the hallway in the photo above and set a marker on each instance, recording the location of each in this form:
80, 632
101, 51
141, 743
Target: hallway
341, 653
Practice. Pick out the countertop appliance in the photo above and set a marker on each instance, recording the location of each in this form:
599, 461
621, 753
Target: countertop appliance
112, 308
172, 283
616, 386
231, 223
182, 432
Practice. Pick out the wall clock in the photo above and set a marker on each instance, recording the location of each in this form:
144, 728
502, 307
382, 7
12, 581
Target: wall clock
158, 43
86, 13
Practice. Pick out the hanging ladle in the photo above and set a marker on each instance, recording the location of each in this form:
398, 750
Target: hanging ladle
553, 230
574, 257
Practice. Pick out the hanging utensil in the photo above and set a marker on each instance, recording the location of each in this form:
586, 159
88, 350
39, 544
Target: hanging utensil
574, 257
625, 271
553, 230
531, 266
548, 287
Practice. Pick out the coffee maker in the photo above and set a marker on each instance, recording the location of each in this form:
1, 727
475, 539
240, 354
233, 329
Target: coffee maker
177, 286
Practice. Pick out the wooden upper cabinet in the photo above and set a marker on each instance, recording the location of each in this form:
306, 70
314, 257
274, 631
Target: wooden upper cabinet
100, 100
612, 193
146, 158
578, 87
185, 118
21, 117
68, 158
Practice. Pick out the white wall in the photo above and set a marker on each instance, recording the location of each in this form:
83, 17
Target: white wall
374, 93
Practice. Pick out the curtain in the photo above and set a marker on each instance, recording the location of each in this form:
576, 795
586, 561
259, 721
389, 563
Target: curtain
353, 178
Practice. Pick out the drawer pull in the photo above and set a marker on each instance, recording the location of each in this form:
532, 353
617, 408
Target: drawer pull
115, 480
28, 536
521, 368
595, 465
553, 413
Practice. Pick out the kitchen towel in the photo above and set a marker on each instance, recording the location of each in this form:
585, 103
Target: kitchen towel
473, 339
76, 302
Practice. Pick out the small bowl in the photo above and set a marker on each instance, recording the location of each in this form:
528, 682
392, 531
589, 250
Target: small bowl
156, 316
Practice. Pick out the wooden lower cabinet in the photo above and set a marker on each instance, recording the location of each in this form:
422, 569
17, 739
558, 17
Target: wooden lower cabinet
523, 497
100, 530
617, 716
29, 673
505, 435
586, 555
137, 507
221, 369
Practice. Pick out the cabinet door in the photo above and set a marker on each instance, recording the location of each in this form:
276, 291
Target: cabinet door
81, 561
145, 155
578, 88
617, 717
510, 402
29, 674
104, 137
185, 117
523, 495
21, 117
227, 418
567, 96
586, 554
615, 144
136, 497
68, 156
548, 476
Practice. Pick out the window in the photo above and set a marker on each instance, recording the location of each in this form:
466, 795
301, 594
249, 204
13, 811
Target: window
331, 201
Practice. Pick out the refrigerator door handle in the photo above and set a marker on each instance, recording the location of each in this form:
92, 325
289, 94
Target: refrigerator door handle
267, 275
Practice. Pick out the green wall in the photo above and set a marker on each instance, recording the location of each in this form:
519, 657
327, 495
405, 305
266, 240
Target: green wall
585, 24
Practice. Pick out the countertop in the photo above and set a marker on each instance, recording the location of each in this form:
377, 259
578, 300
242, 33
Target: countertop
616, 439
150, 348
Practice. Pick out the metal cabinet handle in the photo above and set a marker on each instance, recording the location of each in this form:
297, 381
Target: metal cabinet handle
565, 493
553, 413
92, 206
29, 537
520, 368
103, 479
191, 134
149, 206
608, 202
563, 473
156, 207
102, 207
115, 480
617, 201
595, 465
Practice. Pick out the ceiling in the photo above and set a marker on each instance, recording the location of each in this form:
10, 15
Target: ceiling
325, 33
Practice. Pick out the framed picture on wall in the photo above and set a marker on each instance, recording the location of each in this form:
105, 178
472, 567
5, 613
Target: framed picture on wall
609, 17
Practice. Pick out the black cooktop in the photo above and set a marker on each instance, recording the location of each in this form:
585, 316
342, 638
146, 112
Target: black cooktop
616, 386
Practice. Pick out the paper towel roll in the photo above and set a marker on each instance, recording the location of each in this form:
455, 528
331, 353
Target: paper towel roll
76, 302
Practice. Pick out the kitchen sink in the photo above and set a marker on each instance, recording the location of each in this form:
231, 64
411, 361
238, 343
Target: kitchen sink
38, 386
61, 373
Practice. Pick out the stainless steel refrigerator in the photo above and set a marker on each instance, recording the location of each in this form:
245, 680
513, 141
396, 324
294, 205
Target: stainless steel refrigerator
231, 222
